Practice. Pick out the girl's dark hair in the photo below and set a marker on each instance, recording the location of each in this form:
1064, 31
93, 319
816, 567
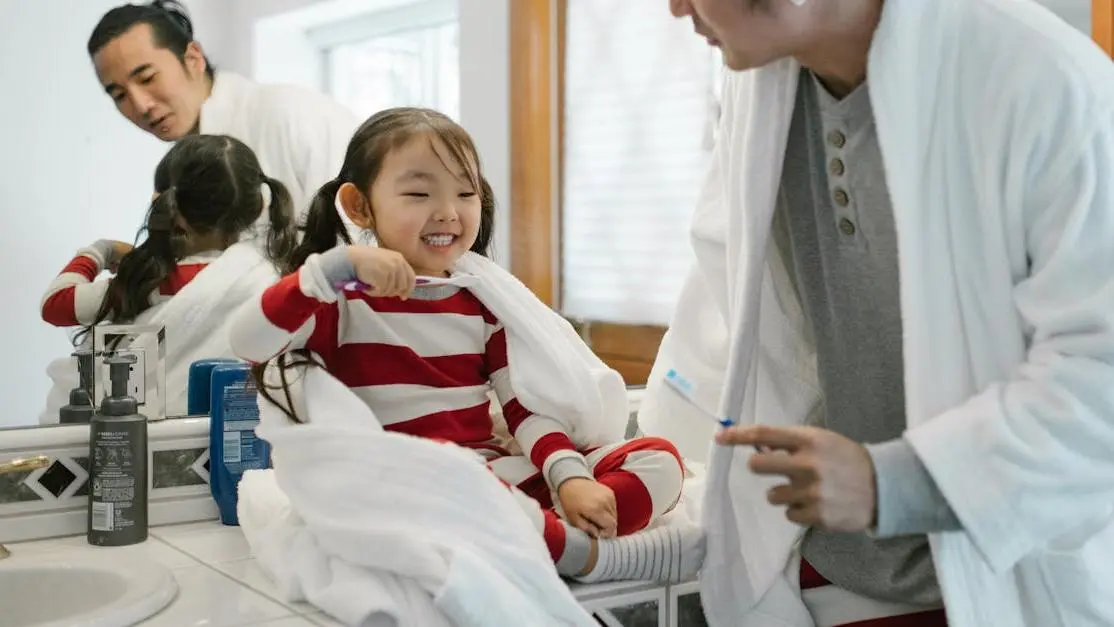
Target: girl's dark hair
170, 24
211, 184
383, 132
323, 227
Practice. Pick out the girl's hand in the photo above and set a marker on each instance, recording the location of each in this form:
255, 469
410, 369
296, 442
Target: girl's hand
113, 252
384, 270
589, 506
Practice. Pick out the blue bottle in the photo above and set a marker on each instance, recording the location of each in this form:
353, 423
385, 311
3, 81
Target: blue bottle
199, 384
233, 445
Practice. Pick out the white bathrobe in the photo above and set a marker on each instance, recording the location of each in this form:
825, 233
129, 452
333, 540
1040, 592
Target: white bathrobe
996, 126
299, 136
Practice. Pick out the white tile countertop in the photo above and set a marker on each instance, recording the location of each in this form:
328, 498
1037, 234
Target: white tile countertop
220, 584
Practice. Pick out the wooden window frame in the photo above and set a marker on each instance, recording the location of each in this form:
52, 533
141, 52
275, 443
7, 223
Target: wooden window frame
1102, 24
537, 74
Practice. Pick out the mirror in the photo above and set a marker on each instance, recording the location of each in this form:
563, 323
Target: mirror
76, 171
84, 172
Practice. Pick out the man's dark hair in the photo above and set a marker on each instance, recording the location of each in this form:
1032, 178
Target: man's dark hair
170, 24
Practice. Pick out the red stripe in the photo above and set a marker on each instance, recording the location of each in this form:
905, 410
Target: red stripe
83, 265
930, 618
467, 427
59, 308
615, 459
549, 444
554, 534
632, 497
285, 306
462, 302
515, 414
359, 365
180, 277
536, 488
496, 351
811, 578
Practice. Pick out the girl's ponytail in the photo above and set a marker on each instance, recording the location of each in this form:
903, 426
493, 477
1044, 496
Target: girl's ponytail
145, 268
322, 227
282, 238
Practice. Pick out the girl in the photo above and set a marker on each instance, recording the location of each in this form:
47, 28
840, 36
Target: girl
208, 192
208, 195
423, 359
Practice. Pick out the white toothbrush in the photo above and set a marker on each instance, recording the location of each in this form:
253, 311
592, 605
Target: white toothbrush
684, 388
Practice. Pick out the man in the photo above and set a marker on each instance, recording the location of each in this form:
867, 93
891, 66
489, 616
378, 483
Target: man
160, 79
970, 144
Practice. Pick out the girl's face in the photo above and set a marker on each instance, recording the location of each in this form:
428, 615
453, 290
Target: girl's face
424, 207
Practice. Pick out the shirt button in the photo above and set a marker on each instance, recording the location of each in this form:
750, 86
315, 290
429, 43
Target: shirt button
841, 197
847, 227
835, 167
837, 139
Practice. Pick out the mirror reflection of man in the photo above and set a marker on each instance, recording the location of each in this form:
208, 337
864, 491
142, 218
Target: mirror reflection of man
158, 76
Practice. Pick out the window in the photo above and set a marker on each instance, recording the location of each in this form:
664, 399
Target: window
405, 56
639, 107
610, 138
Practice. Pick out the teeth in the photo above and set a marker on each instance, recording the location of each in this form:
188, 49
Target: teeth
438, 240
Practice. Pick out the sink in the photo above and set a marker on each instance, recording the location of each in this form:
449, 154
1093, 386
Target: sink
86, 589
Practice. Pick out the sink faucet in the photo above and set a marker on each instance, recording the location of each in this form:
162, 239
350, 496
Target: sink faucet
21, 465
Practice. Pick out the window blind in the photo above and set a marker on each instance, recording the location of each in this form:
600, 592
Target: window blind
639, 102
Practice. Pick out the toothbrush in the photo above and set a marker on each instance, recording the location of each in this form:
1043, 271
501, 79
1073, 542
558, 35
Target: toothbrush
356, 285
684, 388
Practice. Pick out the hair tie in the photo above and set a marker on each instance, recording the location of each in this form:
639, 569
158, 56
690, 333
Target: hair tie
163, 211
178, 13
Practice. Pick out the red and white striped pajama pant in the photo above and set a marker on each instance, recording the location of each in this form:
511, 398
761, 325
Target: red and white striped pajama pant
645, 473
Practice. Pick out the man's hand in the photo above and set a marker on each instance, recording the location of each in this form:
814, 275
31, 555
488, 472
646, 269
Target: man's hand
589, 506
831, 478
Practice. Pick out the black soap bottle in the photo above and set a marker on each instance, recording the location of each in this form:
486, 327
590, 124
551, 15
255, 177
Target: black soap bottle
118, 464
80, 409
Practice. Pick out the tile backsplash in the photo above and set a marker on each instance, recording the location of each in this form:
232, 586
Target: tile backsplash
51, 501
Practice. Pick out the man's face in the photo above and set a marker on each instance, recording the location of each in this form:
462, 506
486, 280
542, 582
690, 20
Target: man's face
749, 33
150, 86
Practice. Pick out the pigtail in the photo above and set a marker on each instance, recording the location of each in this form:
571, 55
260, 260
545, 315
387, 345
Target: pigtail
143, 269
482, 245
282, 238
322, 227
283, 363
320, 232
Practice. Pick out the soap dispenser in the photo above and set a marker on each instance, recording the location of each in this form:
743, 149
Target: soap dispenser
118, 463
80, 409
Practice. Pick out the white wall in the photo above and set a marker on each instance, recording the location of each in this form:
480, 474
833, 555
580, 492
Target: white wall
1074, 12
71, 170
278, 52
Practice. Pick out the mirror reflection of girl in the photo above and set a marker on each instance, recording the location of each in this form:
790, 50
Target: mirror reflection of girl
188, 275
424, 359
208, 192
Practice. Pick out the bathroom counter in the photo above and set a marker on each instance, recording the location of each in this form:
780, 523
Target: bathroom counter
220, 585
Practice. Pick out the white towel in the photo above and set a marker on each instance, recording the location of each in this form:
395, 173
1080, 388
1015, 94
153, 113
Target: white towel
383, 528
197, 322
553, 371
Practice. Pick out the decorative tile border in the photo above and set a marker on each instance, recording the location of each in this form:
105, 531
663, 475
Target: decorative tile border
171, 467
52, 501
